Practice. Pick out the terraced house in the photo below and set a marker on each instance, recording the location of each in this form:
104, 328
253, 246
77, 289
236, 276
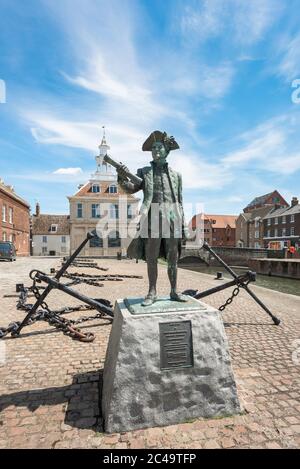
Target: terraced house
50, 234
101, 204
15, 219
249, 224
282, 227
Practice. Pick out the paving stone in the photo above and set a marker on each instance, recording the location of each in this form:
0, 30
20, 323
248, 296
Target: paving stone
211, 444
273, 445
49, 386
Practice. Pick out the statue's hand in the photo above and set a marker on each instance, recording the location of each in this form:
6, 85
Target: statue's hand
123, 171
188, 235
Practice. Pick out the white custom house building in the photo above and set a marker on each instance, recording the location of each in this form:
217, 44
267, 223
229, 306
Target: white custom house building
101, 204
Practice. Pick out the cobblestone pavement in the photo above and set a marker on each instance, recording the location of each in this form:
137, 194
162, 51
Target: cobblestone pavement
49, 383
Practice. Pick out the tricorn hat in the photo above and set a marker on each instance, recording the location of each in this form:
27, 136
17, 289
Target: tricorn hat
158, 136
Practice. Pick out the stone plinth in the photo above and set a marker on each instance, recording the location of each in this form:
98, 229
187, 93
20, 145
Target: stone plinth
165, 364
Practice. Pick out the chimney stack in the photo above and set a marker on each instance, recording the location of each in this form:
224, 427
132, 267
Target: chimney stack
294, 202
37, 210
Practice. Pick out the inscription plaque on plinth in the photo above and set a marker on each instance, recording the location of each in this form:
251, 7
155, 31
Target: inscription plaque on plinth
176, 345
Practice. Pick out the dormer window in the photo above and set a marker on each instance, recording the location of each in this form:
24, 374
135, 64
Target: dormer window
53, 228
113, 189
95, 188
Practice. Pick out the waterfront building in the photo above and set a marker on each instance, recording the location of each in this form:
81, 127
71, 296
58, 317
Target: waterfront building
249, 224
15, 219
218, 230
282, 227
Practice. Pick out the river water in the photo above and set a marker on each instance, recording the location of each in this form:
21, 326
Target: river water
284, 285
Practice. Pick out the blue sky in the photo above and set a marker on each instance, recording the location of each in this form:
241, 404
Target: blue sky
216, 74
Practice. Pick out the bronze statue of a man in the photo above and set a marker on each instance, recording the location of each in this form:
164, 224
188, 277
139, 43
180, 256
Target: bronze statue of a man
162, 227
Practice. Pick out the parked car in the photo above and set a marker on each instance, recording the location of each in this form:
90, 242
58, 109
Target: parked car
7, 251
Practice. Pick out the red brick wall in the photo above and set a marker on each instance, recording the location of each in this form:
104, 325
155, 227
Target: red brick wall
20, 228
223, 237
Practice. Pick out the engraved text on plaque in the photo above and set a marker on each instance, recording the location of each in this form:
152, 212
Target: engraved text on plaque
176, 345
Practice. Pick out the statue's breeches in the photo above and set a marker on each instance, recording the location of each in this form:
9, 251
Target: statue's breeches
167, 248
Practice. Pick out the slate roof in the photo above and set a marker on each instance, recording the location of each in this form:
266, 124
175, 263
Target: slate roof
259, 200
245, 215
41, 224
8, 190
260, 212
283, 211
263, 199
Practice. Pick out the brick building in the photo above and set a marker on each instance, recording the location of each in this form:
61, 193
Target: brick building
282, 227
250, 228
218, 230
15, 219
271, 199
249, 224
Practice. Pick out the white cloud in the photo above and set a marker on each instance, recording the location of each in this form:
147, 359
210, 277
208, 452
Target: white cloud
235, 198
252, 19
204, 19
272, 147
198, 174
105, 62
202, 80
244, 22
53, 178
68, 171
49, 129
132, 99
289, 66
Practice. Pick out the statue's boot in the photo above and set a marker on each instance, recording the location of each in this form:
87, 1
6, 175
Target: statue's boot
149, 299
174, 296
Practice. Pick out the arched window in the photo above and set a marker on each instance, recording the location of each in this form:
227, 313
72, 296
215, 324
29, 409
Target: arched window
114, 240
114, 211
96, 242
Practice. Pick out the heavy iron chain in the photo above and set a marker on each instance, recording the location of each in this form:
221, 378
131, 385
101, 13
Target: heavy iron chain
93, 265
54, 318
100, 277
235, 293
229, 300
11, 328
67, 325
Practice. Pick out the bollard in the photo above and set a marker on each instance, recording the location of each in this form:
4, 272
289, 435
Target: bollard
219, 276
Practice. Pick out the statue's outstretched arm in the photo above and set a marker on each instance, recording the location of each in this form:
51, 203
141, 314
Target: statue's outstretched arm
130, 187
